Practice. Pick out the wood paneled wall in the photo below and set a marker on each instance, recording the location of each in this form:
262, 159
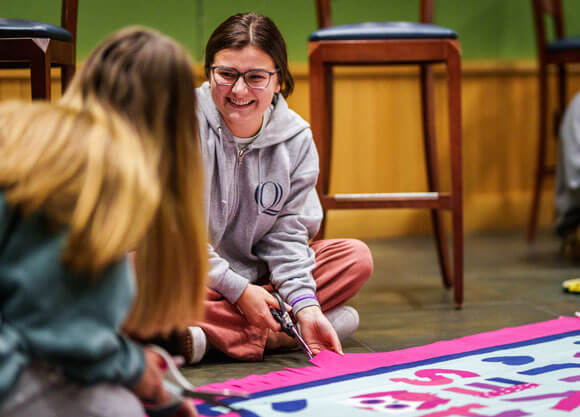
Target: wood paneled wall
378, 144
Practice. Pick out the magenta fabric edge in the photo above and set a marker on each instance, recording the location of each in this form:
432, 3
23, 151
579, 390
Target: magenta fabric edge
329, 364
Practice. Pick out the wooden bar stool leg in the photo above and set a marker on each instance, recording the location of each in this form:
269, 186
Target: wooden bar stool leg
541, 155
40, 78
454, 94
562, 101
321, 109
431, 163
67, 73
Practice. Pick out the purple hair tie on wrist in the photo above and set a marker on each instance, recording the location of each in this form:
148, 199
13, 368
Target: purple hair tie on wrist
304, 297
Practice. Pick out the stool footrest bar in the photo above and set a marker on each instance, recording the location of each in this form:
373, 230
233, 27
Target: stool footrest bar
388, 200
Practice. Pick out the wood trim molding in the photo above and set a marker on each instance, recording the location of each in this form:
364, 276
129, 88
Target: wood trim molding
300, 70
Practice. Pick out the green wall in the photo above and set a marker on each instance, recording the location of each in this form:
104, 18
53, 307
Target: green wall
488, 29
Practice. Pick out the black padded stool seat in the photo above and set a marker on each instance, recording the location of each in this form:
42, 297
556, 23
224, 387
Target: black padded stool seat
564, 44
41, 46
16, 28
382, 30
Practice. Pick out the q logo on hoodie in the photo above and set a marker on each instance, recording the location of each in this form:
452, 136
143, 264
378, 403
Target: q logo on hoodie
268, 195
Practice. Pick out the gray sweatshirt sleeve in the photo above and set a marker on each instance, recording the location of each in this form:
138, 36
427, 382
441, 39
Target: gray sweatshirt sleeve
285, 248
223, 279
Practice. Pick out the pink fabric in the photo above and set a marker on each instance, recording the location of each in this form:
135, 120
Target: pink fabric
329, 364
342, 267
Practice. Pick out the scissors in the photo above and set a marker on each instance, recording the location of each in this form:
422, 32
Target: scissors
288, 326
179, 388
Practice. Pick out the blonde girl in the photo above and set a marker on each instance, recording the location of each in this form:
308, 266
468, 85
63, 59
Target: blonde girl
112, 168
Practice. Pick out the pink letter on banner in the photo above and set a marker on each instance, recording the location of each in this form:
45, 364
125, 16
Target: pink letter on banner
434, 377
455, 411
570, 402
492, 393
427, 400
510, 413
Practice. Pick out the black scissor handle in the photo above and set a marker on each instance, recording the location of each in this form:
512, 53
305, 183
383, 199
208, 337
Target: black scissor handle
281, 316
282, 308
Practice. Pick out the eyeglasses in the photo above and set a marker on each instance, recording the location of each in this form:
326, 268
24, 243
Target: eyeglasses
257, 79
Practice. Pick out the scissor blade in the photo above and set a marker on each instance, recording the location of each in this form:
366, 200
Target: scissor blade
303, 344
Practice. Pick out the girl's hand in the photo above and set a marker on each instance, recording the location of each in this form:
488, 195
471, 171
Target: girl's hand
187, 409
317, 331
255, 303
149, 388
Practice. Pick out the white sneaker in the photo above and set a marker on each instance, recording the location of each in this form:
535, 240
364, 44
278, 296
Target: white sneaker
193, 345
344, 319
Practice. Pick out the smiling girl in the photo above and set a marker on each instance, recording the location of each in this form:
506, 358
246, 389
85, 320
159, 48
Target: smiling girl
261, 168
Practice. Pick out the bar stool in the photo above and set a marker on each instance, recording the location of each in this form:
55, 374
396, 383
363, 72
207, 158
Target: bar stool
559, 52
393, 43
38, 46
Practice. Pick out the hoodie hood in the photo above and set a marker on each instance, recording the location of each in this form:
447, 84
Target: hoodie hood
283, 123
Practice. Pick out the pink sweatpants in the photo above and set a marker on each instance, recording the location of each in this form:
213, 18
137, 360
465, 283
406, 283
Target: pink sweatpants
342, 267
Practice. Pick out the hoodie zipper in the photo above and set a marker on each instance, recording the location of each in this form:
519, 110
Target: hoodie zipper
241, 153
236, 200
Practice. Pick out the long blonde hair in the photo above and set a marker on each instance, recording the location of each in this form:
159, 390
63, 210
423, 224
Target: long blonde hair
64, 163
148, 78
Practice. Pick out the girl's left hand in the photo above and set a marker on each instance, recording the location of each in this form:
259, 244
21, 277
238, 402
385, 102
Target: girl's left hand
317, 331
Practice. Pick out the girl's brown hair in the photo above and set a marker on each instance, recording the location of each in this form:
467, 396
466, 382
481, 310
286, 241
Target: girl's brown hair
148, 79
245, 29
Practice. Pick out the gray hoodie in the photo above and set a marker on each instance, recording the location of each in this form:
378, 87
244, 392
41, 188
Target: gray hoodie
261, 203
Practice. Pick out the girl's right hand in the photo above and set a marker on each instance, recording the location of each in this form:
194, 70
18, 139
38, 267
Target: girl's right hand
149, 388
255, 303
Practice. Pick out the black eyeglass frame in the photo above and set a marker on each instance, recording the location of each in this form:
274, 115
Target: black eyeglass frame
243, 75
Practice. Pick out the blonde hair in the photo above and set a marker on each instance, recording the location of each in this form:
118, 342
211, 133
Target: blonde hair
64, 163
148, 79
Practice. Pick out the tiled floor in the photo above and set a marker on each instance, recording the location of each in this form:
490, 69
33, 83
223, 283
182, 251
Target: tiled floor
507, 283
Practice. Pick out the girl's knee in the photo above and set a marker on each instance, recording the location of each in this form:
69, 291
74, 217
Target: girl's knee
361, 258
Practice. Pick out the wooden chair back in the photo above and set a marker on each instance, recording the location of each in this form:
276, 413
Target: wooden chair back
68, 20
69, 16
324, 12
552, 9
